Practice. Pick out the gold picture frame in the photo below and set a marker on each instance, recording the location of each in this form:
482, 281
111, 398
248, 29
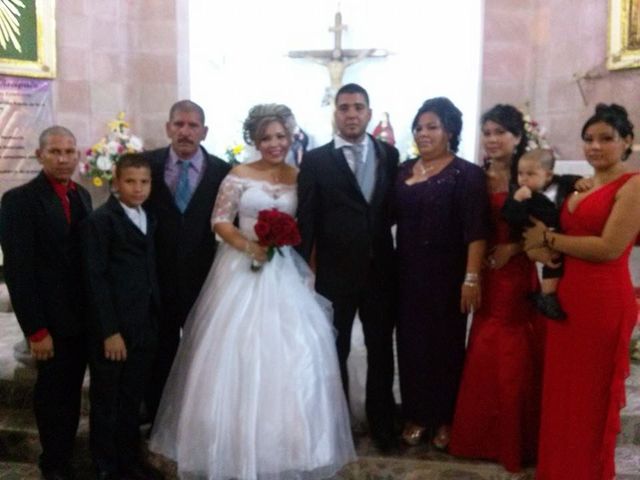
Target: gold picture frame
624, 34
28, 38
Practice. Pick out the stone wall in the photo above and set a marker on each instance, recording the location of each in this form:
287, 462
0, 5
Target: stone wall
116, 55
533, 49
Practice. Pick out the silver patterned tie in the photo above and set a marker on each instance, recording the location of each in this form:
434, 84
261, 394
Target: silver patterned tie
357, 151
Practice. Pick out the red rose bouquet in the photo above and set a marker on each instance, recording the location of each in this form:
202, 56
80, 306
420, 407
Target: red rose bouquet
275, 229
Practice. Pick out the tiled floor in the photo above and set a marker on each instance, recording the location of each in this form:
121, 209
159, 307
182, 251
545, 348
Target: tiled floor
418, 463
15, 471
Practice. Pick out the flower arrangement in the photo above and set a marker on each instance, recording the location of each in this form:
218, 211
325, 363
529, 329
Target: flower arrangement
275, 229
233, 152
102, 156
535, 134
635, 350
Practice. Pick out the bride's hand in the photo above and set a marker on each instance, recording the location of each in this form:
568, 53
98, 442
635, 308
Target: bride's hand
257, 252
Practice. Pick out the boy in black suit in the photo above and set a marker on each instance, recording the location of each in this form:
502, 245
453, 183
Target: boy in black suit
42, 266
124, 298
535, 170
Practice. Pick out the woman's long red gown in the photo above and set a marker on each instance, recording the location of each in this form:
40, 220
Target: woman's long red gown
587, 356
497, 411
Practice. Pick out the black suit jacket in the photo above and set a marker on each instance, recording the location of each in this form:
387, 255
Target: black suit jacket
566, 185
185, 243
517, 213
121, 275
352, 238
42, 263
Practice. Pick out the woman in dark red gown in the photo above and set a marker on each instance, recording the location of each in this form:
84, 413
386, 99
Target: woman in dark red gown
497, 411
586, 356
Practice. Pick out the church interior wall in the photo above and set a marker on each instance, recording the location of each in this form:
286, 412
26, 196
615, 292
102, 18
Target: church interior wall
533, 52
125, 55
112, 56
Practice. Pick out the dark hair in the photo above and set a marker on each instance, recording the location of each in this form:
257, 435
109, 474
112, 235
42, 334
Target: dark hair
450, 117
131, 160
352, 88
615, 116
512, 120
57, 130
186, 106
262, 115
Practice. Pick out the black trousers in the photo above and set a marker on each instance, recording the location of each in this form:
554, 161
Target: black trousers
168, 341
375, 310
116, 393
57, 400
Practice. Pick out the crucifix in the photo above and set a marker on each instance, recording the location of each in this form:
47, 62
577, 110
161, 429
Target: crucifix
338, 59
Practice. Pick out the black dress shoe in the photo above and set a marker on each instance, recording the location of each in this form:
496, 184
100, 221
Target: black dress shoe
549, 306
386, 443
106, 475
55, 475
141, 471
61, 472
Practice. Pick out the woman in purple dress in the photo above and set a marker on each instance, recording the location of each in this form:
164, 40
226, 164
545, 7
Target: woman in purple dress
442, 209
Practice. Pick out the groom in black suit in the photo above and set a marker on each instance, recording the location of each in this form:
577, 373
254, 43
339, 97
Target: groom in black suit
185, 179
40, 237
344, 190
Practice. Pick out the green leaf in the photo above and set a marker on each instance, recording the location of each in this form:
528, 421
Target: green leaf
270, 252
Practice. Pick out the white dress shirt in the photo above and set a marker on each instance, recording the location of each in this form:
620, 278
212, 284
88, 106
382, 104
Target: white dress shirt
137, 215
340, 142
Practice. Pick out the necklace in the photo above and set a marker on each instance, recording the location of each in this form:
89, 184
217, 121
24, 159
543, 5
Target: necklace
422, 170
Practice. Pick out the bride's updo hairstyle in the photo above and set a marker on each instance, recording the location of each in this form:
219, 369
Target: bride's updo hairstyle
262, 115
615, 116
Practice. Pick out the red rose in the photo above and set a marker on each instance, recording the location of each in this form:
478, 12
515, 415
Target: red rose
276, 229
262, 230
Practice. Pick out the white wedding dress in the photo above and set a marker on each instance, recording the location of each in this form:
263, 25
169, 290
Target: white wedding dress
255, 389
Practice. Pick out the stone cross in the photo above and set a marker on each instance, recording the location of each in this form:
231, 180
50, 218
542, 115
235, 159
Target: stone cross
338, 59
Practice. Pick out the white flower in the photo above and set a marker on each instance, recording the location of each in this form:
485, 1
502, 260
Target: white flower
104, 163
135, 143
113, 147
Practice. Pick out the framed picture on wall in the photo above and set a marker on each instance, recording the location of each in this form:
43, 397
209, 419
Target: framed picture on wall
28, 38
624, 34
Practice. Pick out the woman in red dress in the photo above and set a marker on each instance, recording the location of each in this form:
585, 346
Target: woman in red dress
586, 356
497, 409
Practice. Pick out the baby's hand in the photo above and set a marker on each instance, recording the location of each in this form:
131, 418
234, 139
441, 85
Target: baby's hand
523, 193
584, 184
115, 348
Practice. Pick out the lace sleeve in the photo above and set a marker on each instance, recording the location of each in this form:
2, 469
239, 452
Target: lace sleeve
226, 206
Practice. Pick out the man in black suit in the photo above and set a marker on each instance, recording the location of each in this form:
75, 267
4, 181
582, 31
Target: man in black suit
343, 191
43, 270
185, 179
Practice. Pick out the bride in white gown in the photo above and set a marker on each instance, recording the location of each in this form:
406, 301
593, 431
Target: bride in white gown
255, 389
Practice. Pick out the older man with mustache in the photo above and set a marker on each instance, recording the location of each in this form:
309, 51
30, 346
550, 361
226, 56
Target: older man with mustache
185, 179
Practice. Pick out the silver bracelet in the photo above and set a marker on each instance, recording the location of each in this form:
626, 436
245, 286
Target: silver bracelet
247, 249
471, 277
